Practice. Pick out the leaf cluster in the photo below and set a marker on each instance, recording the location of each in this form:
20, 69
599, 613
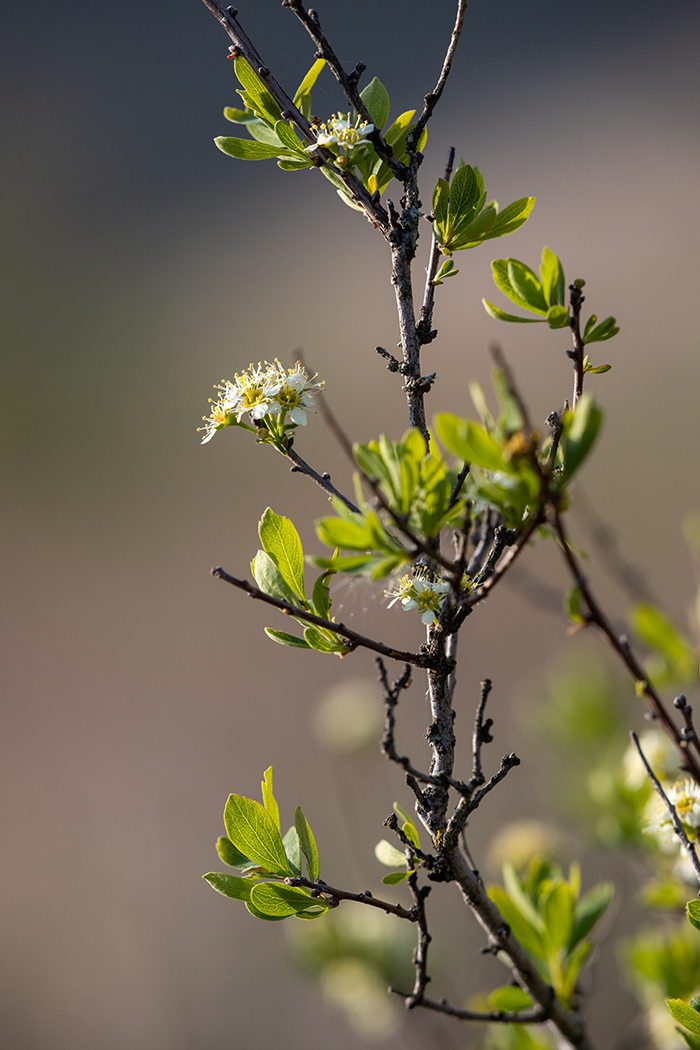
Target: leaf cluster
545, 296
462, 218
278, 570
551, 919
393, 858
254, 846
415, 487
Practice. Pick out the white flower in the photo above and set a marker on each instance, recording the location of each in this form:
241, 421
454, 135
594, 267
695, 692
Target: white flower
684, 796
425, 596
293, 393
340, 131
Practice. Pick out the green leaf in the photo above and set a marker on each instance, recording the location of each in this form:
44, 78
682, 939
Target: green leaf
309, 80
261, 99
689, 1039
230, 885
323, 642
376, 99
685, 1014
523, 930
246, 149
230, 855
512, 217
558, 317
510, 998
270, 580
525, 283
239, 116
281, 541
692, 910
307, 843
269, 801
572, 605
411, 833
464, 193
348, 535
470, 441
446, 270
398, 128
289, 138
255, 833
557, 911
293, 850
320, 599
261, 914
394, 877
605, 330
441, 197
287, 639
580, 431
589, 909
501, 315
552, 276
501, 277
388, 855
655, 628
280, 901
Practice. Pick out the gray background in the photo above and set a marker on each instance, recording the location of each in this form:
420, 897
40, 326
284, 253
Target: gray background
141, 266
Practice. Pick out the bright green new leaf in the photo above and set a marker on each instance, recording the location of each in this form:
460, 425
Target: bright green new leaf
557, 910
239, 116
552, 277
246, 149
324, 642
230, 885
510, 998
689, 1039
376, 99
281, 901
441, 197
309, 80
692, 910
470, 442
589, 909
230, 855
291, 140
605, 330
348, 535
522, 929
655, 628
287, 639
394, 877
409, 830
281, 541
558, 317
320, 599
516, 892
307, 843
293, 850
261, 99
388, 855
501, 278
270, 580
254, 832
572, 605
269, 801
261, 914
513, 217
580, 431
398, 128
501, 315
525, 283
685, 1014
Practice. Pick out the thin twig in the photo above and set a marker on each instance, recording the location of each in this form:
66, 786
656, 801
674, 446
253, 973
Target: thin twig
322, 890
420, 954
466, 806
322, 480
623, 649
430, 101
494, 1017
425, 325
481, 734
355, 640
388, 746
675, 820
503, 537
457, 487
576, 300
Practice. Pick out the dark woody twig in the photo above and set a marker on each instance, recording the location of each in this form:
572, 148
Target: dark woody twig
354, 639
425, 325
677, 825
420, 953
333, 897
466, 806
576, 301
322, 480
623, 649
494, 1017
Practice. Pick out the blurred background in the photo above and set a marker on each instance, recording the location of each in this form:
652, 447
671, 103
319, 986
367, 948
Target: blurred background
141, 266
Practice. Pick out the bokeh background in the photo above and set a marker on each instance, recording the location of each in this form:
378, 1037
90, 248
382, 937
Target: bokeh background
141, 266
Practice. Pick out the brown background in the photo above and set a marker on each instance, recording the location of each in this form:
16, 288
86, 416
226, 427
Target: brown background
141, 267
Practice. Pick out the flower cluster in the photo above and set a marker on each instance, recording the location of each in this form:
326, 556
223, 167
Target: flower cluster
276, 400
423, 595
343, 134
